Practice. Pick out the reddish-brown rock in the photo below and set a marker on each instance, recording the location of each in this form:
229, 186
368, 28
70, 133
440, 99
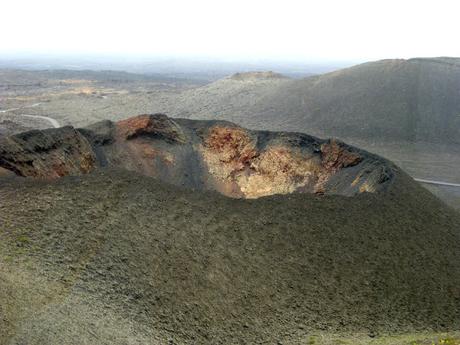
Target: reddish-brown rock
159, 126
47, 154
199, 154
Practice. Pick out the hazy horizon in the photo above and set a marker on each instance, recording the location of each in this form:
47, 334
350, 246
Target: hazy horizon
293, 31
167, 64
212, 67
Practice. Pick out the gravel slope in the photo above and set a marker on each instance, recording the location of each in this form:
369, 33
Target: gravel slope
117, 258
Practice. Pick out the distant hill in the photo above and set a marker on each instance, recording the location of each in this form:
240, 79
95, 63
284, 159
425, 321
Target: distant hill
409, 100
390, 100
257, 75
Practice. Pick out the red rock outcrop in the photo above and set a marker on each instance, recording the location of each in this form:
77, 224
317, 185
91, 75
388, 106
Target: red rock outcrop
159, 126
241, 164
336, 156
333, 158
239, 168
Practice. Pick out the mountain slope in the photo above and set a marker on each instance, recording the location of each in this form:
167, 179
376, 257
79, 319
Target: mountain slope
409, 100
114, 257
93, 252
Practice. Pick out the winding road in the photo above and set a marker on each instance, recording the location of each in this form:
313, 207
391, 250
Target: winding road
439, 183
52, 121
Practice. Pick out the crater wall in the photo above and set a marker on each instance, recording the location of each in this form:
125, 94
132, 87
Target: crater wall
205, 155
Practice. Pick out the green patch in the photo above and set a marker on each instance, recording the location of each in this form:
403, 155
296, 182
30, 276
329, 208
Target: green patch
7, 259
22, 240
446, 341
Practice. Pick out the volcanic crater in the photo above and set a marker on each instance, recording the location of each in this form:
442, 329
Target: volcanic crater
203, 155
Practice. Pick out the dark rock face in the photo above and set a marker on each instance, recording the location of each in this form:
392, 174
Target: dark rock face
50, 153
200, 154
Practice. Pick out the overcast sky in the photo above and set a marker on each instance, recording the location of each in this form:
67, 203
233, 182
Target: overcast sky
285, 29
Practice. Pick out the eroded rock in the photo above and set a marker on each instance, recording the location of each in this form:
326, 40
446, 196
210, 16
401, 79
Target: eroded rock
50, 153
200, 154
158, 125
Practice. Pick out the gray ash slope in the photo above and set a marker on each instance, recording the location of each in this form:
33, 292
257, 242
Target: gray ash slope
116, 257
93, 254
403, 100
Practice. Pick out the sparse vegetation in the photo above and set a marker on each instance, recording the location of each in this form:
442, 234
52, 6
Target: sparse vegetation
22, 240
122, 256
